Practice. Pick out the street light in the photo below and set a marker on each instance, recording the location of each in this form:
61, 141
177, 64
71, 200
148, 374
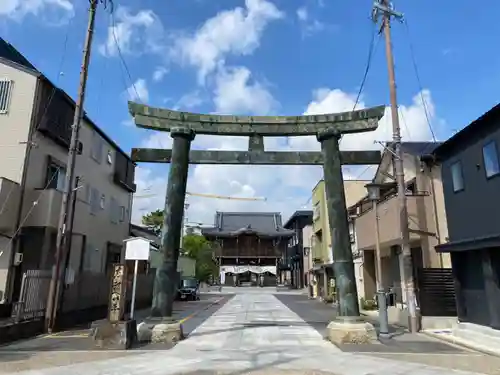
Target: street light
374, 195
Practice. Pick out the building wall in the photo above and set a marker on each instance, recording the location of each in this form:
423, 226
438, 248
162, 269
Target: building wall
5, 246
109, 222
320, 224
14, 132
354, 191
427, 214
307, 233
474, 211
42, 204
15, 124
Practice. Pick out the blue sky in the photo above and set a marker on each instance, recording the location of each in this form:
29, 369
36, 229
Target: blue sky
262, 57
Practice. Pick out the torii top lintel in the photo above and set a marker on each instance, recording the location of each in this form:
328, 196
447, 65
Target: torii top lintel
278, 126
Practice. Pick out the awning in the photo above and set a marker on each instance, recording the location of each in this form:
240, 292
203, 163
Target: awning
479, 243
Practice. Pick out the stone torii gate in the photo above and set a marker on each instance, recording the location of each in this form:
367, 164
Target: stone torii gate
328, 128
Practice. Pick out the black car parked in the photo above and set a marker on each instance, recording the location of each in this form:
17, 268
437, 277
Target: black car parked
189, 289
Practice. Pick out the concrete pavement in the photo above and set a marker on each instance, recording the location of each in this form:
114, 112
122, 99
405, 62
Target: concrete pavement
254, 332
74, 346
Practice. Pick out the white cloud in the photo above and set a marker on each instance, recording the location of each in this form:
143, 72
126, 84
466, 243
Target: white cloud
159, 73
236, 92
231, 32
308, 24
189, 101
133, 33
287, 188
302, 14
128, 122
53, 12
138, 91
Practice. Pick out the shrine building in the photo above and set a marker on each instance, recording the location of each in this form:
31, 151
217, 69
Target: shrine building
248, 246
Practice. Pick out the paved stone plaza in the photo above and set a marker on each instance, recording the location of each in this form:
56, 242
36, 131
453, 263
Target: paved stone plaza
256, 332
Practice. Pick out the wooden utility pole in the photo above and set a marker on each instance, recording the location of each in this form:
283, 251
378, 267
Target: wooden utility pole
384, 7
65, 213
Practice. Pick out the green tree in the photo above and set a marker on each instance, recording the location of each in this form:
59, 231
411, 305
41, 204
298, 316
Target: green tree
154, 221
194, 246
199, 248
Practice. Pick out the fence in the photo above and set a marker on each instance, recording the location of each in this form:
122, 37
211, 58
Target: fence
86, 291
92, 290
436, 292
33, 295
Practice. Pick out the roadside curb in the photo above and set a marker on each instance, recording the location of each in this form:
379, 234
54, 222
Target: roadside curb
461, 343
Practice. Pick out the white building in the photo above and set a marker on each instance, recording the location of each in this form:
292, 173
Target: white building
35, 126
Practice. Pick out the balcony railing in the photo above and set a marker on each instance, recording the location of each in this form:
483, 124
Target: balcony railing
389, 221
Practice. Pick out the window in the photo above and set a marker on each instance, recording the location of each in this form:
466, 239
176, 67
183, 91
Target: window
122, 213
114, 211
97, 147
6, 87
490, 157
56, 176
457, 176
86, 193
94, 201
316, 212
87, 261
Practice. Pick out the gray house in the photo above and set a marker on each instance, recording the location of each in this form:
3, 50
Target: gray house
471, 183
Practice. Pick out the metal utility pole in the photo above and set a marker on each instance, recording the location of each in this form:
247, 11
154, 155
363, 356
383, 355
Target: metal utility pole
387, 11
65, 213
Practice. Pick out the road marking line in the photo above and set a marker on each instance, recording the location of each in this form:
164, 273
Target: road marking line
451, 354
57, 336
183, 320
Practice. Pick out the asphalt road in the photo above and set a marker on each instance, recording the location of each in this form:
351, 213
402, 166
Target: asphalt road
190, 313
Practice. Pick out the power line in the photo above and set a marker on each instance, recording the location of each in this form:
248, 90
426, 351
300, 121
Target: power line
371, 49
118, 49
404, 122
417, 75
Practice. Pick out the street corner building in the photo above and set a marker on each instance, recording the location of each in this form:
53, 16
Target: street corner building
321, 254
296, 261
35, 128
248, 246
471, 181
426, 220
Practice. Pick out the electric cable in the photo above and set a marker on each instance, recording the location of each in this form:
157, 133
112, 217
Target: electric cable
419, 82
120, 55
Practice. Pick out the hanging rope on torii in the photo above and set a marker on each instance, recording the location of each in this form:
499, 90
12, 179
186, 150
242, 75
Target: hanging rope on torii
328, 129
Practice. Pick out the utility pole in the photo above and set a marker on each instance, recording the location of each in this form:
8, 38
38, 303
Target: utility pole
387, 11
65, 213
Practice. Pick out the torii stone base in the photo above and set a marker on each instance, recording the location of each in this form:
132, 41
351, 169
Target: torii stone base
160, 330
351, 331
